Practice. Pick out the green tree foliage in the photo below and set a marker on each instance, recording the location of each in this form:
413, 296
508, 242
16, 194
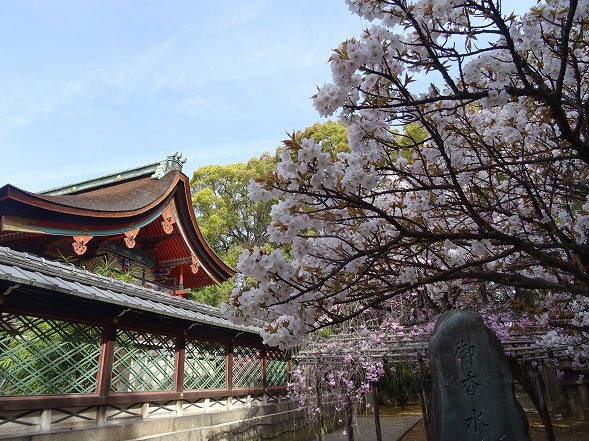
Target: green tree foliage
39, 356
413, 134
228, 219
213, 294
331, 135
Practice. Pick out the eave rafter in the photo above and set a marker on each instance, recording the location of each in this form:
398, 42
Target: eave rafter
164, 264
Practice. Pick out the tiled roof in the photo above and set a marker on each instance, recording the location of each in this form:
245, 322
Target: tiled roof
30, 270
127, 196
106, 209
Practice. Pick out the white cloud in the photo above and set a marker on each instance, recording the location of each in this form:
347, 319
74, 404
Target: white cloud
240, 13
198, 105
228, 152
186, 62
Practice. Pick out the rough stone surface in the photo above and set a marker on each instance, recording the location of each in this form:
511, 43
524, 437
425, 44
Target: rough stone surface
472, 388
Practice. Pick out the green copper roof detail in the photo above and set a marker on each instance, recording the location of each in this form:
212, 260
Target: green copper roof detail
172, 162
155, 169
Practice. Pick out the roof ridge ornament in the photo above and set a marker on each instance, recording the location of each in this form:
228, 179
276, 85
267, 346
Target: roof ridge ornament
172, 162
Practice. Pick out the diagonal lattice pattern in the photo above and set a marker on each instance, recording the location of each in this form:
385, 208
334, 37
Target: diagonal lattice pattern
247, 367
205, 366
143, 362
40, 357
275, 369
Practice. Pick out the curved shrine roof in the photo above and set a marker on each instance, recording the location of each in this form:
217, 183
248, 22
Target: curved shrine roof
127, 197
149, 206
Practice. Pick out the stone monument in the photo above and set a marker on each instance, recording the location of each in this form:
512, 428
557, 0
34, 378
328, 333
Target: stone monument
472, 395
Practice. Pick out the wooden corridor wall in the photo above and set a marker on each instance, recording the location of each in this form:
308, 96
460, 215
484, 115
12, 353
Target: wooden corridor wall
60, 371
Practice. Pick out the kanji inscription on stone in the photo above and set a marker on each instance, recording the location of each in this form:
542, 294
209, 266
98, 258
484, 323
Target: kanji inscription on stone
472, 392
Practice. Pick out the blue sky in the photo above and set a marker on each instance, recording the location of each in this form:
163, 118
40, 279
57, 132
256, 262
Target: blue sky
91, 87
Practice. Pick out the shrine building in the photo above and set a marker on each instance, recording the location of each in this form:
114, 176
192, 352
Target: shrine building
95, 331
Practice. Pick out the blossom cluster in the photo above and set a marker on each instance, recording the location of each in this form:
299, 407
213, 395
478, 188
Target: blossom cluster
338, 370
454, 194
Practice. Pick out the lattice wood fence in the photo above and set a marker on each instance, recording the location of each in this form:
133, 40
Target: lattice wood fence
56, 357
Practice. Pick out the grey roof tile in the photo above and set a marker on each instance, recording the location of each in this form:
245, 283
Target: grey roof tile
28, 269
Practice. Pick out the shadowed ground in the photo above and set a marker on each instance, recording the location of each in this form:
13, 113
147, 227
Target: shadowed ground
406, 425
392, 427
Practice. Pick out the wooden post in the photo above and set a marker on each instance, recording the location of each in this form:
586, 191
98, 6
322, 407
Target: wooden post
179, 362
264, 362
229, 364
181, 282
376, 413
107, 359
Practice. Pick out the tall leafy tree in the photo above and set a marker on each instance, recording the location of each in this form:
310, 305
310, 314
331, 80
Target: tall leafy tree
228, 219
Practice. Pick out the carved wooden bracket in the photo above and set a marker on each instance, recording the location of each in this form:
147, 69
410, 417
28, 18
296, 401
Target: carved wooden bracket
169, 220
130, 237
195, 265
80, 244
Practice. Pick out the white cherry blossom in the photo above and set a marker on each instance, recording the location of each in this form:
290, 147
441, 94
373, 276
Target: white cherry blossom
491, 197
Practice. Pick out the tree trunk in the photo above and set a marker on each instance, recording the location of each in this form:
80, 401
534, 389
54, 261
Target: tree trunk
543, 408
350, 422
424, 398
376, 413
320, 424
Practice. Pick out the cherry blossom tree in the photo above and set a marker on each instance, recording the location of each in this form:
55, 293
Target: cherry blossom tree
489, 202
